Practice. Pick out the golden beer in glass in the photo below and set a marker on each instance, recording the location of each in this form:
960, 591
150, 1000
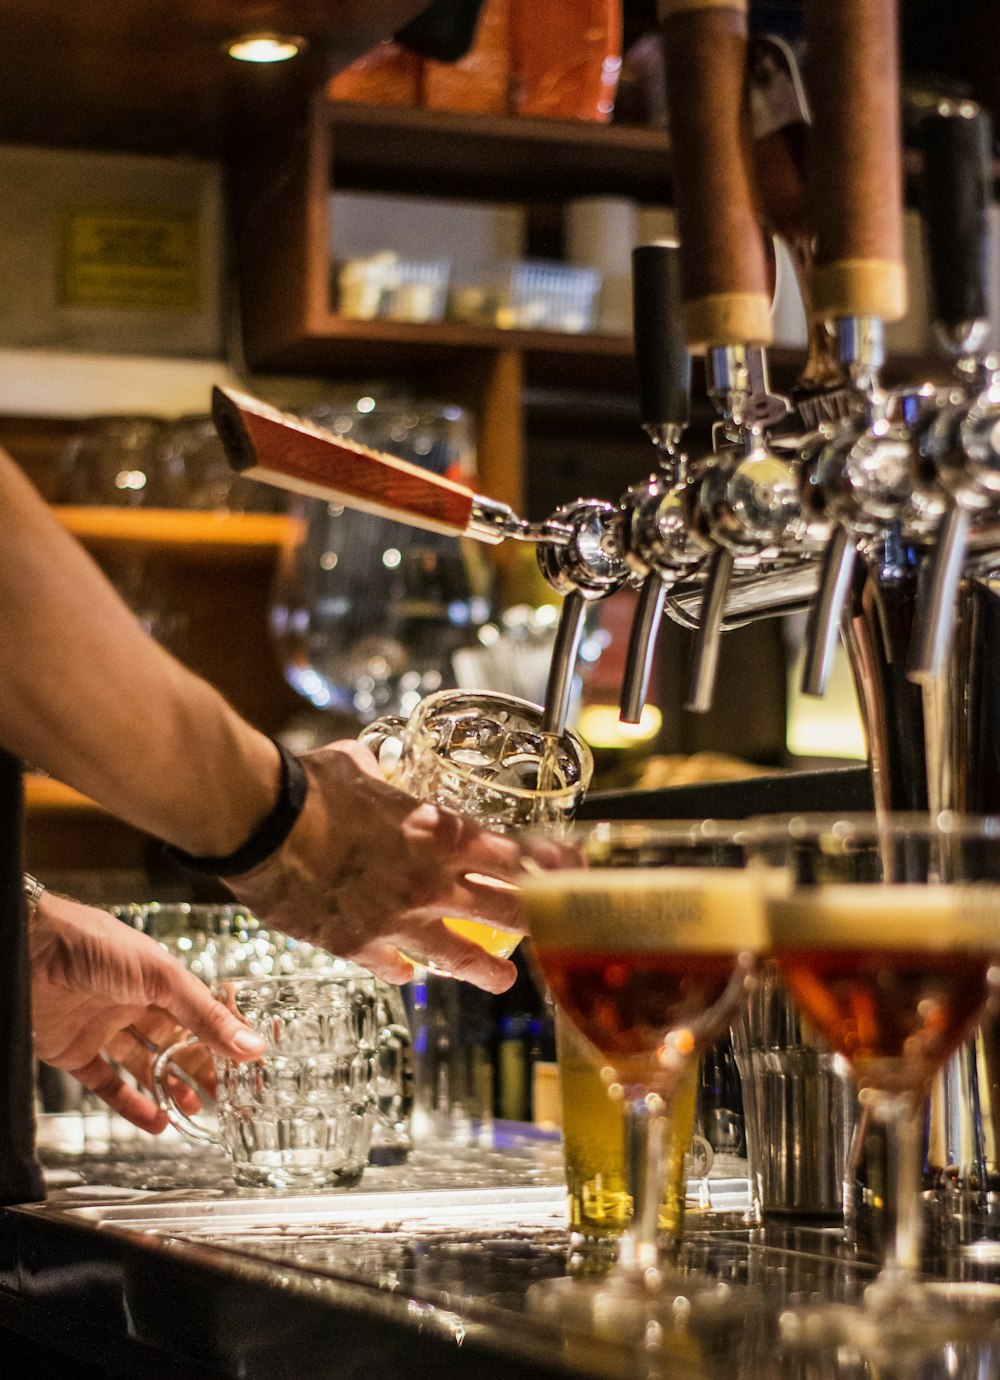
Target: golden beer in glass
595, 1150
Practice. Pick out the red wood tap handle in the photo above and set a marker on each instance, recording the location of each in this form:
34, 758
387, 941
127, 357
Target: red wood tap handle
263, 443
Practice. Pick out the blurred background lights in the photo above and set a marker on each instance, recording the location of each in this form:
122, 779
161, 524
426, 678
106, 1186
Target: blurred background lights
265, 47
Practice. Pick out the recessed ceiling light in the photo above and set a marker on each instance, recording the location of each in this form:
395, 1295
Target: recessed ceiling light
265, 47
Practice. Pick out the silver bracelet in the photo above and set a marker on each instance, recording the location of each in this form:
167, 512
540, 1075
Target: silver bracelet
33, 889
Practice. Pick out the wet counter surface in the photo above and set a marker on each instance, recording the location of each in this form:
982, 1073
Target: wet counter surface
159, 1266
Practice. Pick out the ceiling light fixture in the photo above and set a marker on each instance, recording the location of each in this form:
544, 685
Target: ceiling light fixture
265, 47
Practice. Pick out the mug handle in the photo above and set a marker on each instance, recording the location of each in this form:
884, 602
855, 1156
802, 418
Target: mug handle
375, 735
179, 1120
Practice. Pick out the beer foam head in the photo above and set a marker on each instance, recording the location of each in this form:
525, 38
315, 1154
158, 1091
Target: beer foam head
887, 916
656, 909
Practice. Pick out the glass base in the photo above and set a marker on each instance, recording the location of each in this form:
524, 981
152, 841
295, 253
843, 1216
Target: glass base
637, 1307
899, 1324
297, 1178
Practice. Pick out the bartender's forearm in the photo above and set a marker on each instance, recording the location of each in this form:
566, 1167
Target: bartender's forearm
88, 697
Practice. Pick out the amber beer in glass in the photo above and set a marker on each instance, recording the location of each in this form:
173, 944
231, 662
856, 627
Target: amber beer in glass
886, 930
648, 937
891, 976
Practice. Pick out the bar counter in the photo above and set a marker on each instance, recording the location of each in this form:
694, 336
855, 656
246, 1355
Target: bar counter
157, 1266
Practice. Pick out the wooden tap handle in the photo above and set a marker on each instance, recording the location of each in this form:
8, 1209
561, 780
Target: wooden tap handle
263, 443
855, 159
726, 299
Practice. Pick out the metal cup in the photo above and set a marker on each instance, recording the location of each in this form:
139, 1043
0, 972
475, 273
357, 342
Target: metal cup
800, 1111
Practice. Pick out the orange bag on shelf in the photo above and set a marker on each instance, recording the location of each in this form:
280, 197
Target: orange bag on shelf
388, 75
478, 83
566, 56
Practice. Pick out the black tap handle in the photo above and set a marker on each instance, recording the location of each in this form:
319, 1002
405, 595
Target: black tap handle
662, 360
957, 144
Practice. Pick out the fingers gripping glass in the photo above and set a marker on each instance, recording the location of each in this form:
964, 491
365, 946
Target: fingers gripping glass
485, 756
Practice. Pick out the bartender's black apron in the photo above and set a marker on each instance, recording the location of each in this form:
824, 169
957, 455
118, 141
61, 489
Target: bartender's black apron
20, 1179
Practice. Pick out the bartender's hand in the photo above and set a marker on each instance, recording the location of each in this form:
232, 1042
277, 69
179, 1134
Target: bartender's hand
368, 868
100, 991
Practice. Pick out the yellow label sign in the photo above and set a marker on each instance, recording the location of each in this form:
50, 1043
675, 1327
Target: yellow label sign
132, 257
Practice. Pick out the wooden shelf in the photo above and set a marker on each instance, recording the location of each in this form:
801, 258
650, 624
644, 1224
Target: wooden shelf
349, 348
497, 157
216, 538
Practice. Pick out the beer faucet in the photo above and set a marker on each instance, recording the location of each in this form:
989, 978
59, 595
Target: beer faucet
959, 451
746, 494
587, 567
860, 482
655, 536
747, 503
578, 546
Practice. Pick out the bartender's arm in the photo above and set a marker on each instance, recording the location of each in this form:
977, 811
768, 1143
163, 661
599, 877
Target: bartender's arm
86, 695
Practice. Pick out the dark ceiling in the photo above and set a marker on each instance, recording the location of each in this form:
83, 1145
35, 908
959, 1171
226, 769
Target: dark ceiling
151, 75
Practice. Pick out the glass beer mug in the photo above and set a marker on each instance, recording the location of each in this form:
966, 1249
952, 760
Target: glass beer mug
485, 756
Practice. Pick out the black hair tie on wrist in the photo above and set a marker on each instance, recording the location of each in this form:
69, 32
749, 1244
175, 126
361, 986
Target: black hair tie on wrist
270, 833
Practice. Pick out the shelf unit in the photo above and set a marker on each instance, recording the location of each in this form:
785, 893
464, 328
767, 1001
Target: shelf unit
211, 538
282, 229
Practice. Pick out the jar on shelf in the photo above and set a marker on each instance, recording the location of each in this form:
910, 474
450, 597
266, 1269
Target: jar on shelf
113, 462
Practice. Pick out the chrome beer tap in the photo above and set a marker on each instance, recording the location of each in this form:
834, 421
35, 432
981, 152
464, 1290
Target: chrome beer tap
860, 482
587, 567
578, 546
655, 537
746, 496
747, 502
959, 451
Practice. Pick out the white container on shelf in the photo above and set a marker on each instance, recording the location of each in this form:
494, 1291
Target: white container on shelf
600, 233
423, 229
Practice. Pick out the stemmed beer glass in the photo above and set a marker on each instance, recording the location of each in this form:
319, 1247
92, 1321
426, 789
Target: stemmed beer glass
649, 937
886, 931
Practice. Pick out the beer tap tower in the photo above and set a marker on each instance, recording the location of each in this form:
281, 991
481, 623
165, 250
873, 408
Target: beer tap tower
892, 511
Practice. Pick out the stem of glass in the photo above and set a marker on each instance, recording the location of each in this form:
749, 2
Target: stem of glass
903, 1117
647, 1135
